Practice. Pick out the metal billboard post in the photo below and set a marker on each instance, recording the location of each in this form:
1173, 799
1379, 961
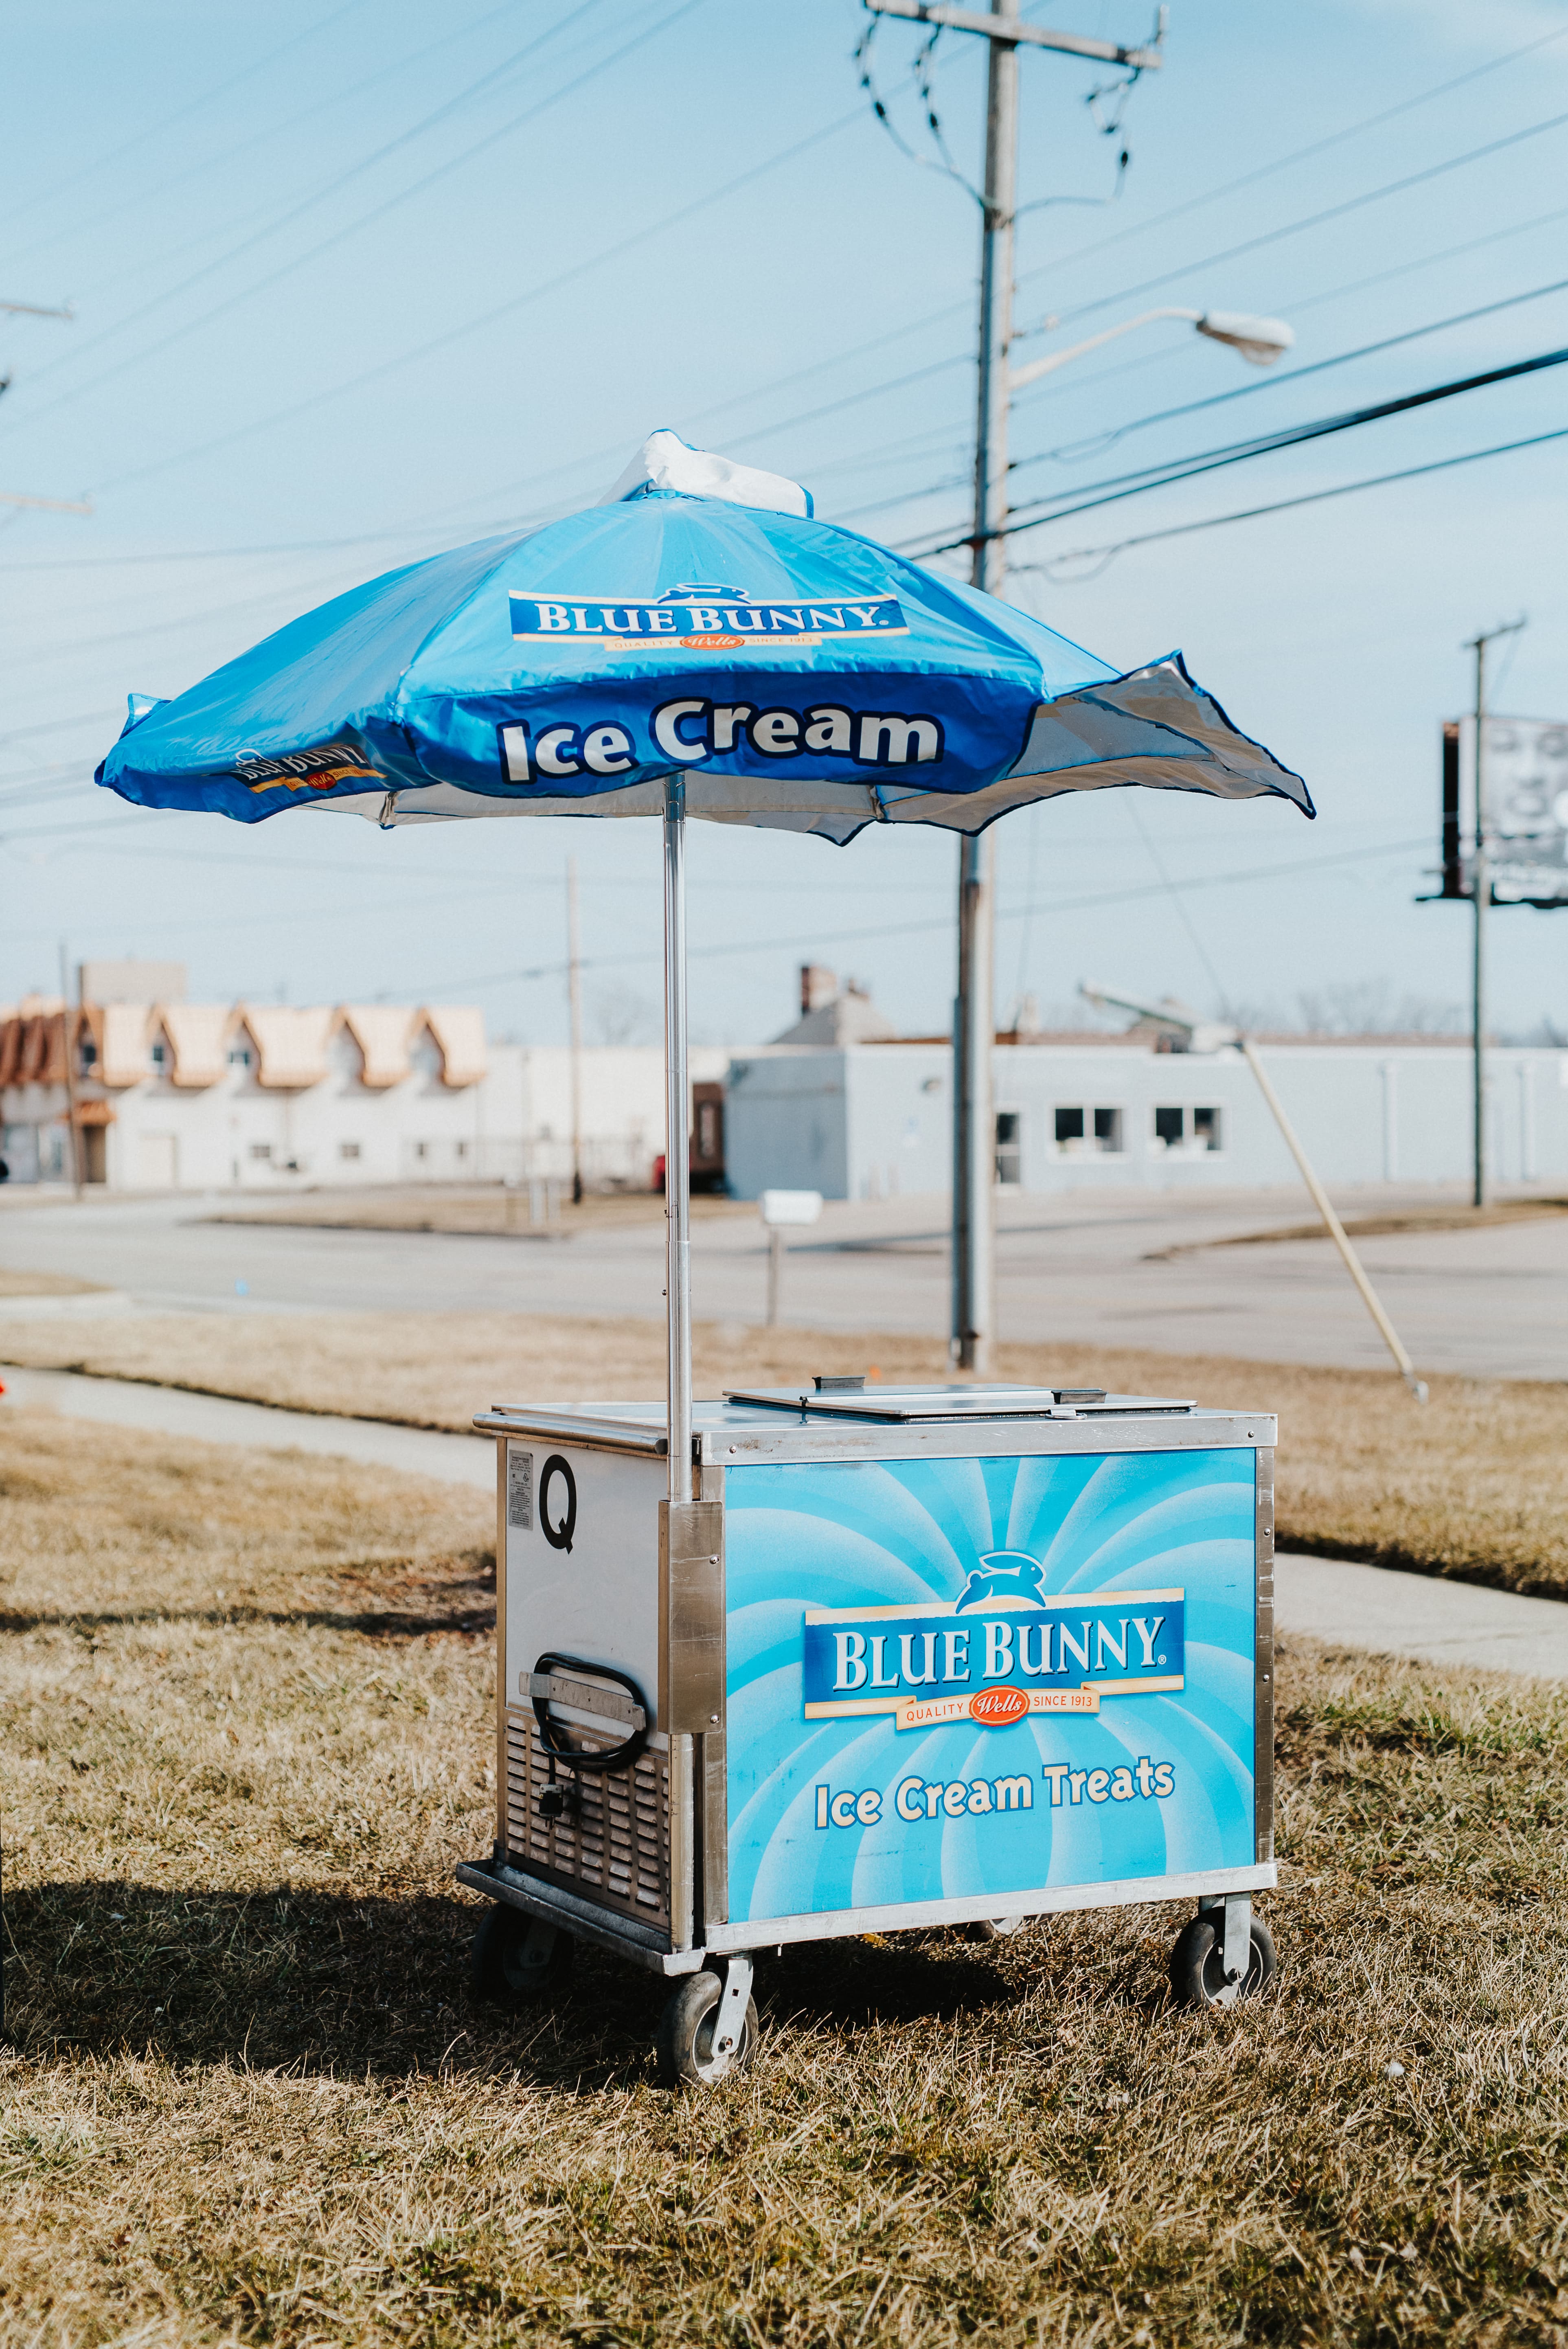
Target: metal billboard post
1480, 891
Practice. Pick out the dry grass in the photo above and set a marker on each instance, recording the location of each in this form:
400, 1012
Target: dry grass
246, 1734
487, 1209
1475, 1486
1447, 1216
47, 1284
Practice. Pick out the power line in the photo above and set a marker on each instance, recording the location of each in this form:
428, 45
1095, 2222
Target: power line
1304, 154
925, 928
1293, 374
197, 105
1283, 505
308, 203
267, 135
502, 309
1311, 220
1112, 491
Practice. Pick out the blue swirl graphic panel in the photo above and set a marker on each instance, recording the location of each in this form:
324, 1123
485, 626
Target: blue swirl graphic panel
950, 1679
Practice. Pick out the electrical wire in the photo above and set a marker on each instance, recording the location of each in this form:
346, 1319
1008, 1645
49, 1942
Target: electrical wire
578, 269
1306, 154
738, 947
1292, 375
1117, 487
1284, 505
1310, 220
267, 135
160, 130
337, 236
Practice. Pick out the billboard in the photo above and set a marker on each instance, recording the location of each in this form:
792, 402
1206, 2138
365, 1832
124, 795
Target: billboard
1527, 809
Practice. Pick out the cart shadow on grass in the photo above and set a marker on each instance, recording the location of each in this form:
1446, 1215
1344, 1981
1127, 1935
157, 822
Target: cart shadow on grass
328, 1981
389, 1623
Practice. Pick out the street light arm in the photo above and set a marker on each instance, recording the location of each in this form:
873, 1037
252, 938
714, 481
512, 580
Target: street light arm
1019, 377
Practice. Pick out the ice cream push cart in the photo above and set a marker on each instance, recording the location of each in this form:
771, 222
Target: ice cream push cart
816, 1660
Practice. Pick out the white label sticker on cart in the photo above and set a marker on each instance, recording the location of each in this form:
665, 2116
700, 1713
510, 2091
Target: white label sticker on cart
519, 1489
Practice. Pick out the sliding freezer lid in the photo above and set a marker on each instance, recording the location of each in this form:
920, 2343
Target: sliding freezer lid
853, 1399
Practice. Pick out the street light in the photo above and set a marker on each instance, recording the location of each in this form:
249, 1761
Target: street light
1259, 341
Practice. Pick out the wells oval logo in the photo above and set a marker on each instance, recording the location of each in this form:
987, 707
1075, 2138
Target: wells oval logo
999, 1708
711, 643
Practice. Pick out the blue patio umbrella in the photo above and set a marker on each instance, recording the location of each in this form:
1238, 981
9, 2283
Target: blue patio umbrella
695, 644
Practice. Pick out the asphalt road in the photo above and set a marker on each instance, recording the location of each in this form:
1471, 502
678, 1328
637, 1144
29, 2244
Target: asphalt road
1083, 1266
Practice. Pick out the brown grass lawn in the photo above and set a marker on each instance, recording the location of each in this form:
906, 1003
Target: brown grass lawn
1475, 1486
245, 1733
484, 1208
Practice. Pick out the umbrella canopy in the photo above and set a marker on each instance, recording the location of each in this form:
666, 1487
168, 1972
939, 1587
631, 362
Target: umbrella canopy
697, 621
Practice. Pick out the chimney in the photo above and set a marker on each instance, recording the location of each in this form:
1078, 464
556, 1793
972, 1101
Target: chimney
819, 986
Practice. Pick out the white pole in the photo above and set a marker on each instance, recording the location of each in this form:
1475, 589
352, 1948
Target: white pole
1336, 1231
677, 1154
575, 1002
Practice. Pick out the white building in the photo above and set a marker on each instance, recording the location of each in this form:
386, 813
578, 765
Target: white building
869, 1121
170, 1095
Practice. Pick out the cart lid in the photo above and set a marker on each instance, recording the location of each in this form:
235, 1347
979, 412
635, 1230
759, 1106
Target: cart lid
842, 1398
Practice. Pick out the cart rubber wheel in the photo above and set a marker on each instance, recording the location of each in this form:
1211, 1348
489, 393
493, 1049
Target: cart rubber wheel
1198, 1963
684, 2044
518, 1960
996, 1929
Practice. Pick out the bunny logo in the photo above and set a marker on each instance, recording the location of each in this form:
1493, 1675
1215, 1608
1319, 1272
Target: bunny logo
1003, 1574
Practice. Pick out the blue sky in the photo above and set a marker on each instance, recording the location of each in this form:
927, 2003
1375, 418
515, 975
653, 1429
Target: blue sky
354, 282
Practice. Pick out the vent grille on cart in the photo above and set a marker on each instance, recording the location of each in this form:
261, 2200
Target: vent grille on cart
614, 1846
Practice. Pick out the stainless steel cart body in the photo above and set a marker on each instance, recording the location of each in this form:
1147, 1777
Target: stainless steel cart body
909, 1658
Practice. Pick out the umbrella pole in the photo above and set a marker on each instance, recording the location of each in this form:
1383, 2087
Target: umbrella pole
679, 1529
677, 1152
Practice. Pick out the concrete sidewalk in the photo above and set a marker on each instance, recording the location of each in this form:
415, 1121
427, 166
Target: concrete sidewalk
215, 1419
1416, 1616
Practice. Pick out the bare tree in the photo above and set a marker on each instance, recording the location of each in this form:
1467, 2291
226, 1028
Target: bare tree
622, 1015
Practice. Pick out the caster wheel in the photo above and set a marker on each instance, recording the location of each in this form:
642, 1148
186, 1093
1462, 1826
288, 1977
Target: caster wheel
685, 2042
518, 1960
996, 1929
1198, 1964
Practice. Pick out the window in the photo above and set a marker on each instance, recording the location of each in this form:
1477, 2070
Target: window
1079, 1131
159, 1055
239, 1056
462, 1149
261, 1150
1192, 1132
88, 1056
421, 1149
348, 1149
1009, 1146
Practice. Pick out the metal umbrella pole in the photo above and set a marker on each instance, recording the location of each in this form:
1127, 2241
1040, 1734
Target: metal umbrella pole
677, 1165
691, 1574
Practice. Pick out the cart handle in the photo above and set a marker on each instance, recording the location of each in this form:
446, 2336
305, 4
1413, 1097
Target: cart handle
549, 1680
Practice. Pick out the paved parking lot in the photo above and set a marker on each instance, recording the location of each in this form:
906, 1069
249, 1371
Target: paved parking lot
1084, 1267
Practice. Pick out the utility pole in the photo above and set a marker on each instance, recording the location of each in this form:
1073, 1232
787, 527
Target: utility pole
67, 1025
574, 998
974, 1012
1481, 890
